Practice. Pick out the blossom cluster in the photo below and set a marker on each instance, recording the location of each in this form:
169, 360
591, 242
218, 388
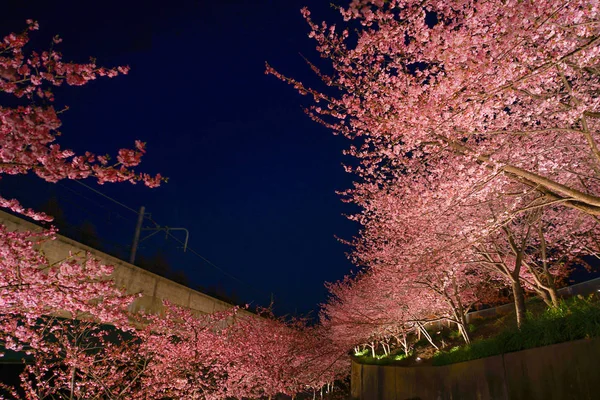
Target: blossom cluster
28, 132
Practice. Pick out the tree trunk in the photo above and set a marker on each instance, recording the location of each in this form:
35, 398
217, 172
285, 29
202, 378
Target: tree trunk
464, 328
465, 333
549, 278
461, 321
544, 294
405, 344
519, 302
459, 312
552, 288
427, 335
554, 296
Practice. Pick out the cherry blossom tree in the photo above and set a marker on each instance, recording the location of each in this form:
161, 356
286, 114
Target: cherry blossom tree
562, 237
58, 316
57, 313
374, 309
28, 132
73, 324
461, 86
281, 356
470, 124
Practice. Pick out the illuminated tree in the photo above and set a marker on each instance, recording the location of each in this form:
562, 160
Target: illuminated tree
473, 91
57, 314
474, 131
28, 132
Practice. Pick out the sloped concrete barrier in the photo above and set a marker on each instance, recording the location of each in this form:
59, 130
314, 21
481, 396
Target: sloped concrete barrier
154, 288
558, 372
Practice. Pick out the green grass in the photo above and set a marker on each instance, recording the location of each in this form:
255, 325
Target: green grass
362, 353
380, 359
576, 318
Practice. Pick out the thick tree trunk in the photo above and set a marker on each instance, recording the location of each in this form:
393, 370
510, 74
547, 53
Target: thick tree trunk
519, 302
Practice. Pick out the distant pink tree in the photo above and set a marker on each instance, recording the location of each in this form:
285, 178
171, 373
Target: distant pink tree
281, 357
188, 354
375, 310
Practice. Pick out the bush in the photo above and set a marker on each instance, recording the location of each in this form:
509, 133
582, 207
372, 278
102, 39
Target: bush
574, 319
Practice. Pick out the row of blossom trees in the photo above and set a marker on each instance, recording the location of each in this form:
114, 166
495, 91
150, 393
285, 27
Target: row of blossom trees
72, 326
474, 129
69, 322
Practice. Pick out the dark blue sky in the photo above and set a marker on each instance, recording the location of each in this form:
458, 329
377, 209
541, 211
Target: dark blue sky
251, 176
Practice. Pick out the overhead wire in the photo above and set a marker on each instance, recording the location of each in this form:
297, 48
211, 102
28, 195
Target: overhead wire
196, 253
224, 272
87, 211
93, 201
107, 197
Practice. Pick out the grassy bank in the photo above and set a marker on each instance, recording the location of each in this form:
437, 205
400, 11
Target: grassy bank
576, 318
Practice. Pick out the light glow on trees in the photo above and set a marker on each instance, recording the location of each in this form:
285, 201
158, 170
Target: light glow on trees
473, 130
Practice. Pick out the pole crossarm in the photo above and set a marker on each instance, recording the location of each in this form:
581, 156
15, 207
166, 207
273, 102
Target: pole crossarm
166, 229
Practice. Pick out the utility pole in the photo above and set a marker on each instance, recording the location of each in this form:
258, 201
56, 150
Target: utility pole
136, 236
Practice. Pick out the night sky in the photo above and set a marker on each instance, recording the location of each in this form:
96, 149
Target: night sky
250, 175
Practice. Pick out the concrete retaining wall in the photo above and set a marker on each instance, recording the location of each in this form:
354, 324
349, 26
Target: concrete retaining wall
155, 288
558, 372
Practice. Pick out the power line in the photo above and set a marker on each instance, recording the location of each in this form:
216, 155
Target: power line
217, 267
147, 217
197, 254
93, 201
106, 196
